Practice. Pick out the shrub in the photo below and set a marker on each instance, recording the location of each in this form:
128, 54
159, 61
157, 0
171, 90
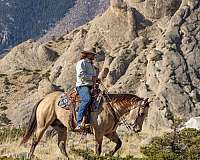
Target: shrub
3, 108
179, 145
4, 120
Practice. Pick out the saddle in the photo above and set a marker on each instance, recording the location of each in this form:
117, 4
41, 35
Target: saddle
71, 100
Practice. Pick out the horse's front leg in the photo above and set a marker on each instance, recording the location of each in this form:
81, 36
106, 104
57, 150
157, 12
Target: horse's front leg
114, 138
62, 137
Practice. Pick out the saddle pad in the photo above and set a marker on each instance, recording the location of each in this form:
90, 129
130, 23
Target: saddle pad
64, 101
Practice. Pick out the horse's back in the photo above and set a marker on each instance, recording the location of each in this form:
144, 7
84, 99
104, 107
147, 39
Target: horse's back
50, 99
46, 108
54, 94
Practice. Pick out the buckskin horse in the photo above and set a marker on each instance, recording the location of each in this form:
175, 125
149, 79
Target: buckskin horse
47, 112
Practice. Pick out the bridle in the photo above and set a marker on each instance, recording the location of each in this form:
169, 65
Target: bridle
122, 119
115, 114
139, 114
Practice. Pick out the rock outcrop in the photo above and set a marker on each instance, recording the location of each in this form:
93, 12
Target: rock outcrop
118, 4
156, 9
193, 122
150, 53
28, 55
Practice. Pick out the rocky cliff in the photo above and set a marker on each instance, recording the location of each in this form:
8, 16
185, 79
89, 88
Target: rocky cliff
146, 47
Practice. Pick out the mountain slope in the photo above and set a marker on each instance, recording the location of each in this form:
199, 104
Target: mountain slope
82, 12
21, 20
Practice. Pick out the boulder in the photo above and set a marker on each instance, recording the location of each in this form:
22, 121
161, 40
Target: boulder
193, 122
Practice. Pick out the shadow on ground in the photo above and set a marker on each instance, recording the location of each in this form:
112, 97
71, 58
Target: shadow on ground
89, 154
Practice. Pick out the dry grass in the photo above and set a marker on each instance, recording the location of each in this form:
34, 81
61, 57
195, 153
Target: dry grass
49, 150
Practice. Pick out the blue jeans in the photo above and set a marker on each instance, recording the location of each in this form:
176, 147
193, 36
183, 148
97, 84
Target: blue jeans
84, 93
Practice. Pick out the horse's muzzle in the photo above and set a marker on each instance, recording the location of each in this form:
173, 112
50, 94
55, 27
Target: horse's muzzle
136, 128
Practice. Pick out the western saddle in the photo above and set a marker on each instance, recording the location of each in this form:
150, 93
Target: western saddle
75, 100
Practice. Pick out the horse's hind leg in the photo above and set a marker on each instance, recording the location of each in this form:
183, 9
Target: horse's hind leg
62, 136
98, 147
114, 138
38, 135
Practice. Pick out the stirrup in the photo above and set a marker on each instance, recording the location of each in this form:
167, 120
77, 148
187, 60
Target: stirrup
78, 129
86, 126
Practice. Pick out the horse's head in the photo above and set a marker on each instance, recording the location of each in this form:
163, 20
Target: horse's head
140, 114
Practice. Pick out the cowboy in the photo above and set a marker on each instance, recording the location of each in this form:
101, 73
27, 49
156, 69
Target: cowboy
86, 76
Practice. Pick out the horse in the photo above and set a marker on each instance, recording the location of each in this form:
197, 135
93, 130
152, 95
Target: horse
47, 113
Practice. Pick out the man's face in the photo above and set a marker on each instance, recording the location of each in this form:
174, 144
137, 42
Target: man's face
91, 56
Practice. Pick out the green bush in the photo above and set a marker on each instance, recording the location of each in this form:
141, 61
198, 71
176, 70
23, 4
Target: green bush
4, 120
3, 108
179, 145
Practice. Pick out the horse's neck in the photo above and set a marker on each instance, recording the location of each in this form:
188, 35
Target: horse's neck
121, 105
121, 109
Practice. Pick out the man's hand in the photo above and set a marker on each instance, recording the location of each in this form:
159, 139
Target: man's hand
96, 80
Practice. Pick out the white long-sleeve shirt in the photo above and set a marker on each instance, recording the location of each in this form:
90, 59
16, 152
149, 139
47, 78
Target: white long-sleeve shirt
85, 70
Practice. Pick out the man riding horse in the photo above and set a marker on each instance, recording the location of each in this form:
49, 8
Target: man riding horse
86, 78
47, 111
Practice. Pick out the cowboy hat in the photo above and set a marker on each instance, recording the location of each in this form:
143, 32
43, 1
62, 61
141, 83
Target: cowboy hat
89, 51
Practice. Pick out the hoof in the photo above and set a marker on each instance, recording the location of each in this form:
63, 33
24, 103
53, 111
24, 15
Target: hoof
108, 154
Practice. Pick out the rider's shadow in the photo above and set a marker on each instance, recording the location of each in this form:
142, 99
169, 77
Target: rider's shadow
90, 155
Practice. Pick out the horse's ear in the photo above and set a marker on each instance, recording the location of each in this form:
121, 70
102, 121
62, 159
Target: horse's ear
146, 101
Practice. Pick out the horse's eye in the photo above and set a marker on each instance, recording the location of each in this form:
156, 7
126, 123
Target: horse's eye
142, 107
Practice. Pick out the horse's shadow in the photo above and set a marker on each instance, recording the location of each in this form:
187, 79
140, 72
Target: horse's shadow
90, 155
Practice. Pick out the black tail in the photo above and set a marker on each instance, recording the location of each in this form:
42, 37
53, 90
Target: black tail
32, 124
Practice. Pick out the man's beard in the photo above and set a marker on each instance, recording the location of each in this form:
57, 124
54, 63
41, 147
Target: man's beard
91, 59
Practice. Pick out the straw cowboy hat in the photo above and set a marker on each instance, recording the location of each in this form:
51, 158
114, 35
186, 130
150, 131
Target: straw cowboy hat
89, 51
